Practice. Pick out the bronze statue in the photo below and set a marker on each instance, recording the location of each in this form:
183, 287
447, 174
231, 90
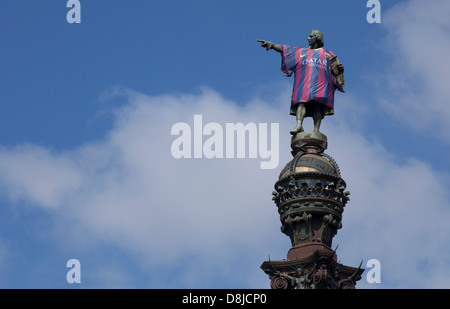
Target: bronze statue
318, 74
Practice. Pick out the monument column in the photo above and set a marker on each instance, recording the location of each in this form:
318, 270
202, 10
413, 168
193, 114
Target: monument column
310, 196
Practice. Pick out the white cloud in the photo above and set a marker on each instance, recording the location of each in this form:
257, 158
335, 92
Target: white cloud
128, 189
216, 214
165, 205
398, 214
415, 80
28, 172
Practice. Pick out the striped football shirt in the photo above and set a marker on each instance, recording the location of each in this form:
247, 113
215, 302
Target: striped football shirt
312, 73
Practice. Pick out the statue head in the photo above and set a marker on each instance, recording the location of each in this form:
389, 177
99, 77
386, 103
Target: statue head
315, 39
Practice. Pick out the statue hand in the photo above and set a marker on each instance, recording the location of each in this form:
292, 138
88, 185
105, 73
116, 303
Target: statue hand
266, 44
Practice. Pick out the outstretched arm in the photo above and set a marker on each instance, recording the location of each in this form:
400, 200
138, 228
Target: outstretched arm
270, 45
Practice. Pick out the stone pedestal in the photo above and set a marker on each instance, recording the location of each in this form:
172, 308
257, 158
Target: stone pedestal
309, 142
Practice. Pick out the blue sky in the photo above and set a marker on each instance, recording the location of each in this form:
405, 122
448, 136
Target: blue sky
86, 113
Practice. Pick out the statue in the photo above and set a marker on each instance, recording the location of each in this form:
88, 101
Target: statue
310, 193
318, 74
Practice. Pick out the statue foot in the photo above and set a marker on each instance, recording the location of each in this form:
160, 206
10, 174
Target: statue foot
297, 130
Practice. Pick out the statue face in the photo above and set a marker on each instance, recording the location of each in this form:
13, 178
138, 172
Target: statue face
313, 40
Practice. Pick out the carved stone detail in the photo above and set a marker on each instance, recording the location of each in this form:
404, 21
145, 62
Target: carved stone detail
320, 272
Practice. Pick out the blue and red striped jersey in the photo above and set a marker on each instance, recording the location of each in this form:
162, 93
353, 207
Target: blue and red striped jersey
314, 79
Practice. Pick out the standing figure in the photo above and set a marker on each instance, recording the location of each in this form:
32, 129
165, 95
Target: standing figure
317, 74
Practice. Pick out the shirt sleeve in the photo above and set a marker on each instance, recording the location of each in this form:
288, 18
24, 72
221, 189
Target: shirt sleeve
288, 63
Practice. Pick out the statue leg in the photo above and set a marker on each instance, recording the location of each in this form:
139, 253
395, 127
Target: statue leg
301, 111
317, 117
